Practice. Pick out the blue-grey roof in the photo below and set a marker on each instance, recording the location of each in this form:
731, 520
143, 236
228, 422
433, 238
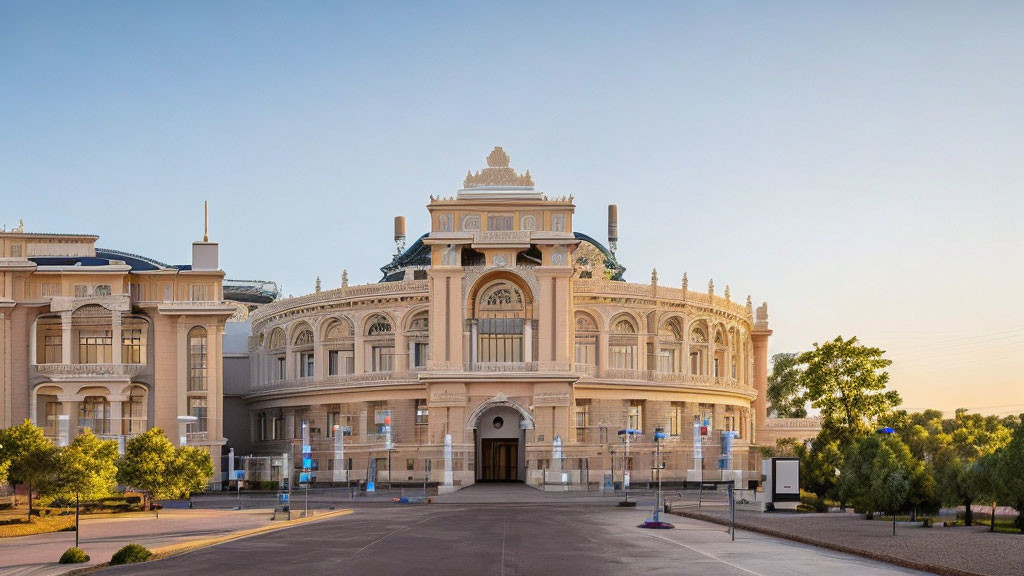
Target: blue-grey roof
105, 257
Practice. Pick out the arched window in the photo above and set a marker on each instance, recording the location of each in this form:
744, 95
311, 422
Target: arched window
382, 344
304, 338
340, 348
303, 350
499, 328
378, 326
622, 345
670, 346
276, 339
585, 345
197, 359
419, 340
698, 349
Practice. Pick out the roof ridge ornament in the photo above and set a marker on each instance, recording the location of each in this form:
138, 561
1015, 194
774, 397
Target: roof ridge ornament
498, 173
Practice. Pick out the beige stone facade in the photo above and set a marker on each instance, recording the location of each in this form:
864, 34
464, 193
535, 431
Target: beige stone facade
110, 341
508, 332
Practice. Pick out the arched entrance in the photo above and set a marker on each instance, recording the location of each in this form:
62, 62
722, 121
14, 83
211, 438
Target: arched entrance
499, 431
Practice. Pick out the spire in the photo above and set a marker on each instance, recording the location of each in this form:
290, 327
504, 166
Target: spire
654, 277
711, 287
317, 286
727, 293
749, 304
206, 221
686, 284
344, 278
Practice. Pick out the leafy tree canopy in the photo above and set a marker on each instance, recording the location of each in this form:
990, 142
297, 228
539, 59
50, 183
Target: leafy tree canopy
86, 468
785, 390
846, 382
151, 463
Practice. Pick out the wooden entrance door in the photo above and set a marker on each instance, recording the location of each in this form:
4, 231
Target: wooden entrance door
500, 460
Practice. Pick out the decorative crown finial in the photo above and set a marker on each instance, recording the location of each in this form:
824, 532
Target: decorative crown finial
498, 158
711, 287
654, 277
727, 293
686, 283
749, 304
344, 278
317, 286
498, 173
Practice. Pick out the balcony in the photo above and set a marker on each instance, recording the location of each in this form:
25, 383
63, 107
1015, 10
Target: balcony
336, 381
89, 371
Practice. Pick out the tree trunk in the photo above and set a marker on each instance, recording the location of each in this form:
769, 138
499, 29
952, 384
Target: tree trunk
992, 524
29, 485
969, 516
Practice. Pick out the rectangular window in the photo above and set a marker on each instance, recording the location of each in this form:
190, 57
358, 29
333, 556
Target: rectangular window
382, 358
582, 419
420, 354
585, 349
16, 251
52, 350
95, 349
666, 361
131, 346
332, 421
410, 464
197, 408
636, 414
197, 360
277, 428
695, 363
707, 416
199, 292
716, 368
81, 290
53, 409
306, 365
622, 357
676, 421
332, 363
280, 368
422, 413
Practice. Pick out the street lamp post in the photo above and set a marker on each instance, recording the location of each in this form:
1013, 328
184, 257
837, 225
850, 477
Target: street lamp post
627, 434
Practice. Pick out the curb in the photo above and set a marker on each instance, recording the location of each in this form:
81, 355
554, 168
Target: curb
191, 545
888, 559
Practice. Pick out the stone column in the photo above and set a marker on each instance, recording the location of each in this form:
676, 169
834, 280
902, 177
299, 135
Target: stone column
401, 363
528, 341
65, 337
115, 337
472, 342
116, 415
759, 337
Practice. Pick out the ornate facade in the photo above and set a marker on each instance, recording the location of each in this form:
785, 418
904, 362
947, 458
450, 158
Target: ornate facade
110, 341
512, 337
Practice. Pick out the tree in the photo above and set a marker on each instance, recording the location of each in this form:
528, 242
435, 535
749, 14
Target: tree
84, 469
191, 470
785, 390
29, 456
1010, 476
846, 383
861, 471
151, 464
959, 481
889, 485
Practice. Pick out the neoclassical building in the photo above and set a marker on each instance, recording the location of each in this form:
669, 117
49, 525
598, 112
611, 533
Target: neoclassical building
110, 341
514, 338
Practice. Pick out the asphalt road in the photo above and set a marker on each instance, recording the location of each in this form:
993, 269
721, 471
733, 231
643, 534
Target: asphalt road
591, 538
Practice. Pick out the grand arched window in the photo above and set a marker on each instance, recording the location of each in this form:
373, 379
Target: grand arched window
585, 344
499, 328
418, 337
698, 349
339, 342
622, 345
303, 350
197, 359
670, 346
380, 343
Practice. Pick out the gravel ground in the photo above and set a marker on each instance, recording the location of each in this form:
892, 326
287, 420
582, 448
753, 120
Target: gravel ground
951, 551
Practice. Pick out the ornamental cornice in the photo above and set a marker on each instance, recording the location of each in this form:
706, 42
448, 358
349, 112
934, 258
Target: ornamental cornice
114, 303
346, 295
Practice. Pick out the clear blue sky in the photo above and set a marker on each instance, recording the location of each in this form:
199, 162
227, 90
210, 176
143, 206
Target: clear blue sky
858, 167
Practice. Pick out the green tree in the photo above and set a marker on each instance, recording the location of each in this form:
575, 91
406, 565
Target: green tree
1010, 476
29, 456
152, 464
85, 469
785, 391
191, 470
860, 471
846, 382
890, 485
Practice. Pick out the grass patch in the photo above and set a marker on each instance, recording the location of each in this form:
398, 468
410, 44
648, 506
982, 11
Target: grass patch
37, 526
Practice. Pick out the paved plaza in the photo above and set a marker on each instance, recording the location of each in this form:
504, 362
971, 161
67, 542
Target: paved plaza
508, 530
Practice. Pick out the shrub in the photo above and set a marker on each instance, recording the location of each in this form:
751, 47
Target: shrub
131, 554
73, 556
810, 502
